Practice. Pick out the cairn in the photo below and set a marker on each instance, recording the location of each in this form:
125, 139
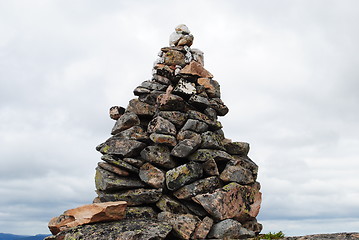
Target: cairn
169, 160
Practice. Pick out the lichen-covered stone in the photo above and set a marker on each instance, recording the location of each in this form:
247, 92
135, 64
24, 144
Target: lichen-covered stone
133, 197
116, 112
141, 108
196, 69
124, 122
150, 98
176, 117
185, 88
183, 224
141, 91
123, 148
174, 57
163, 70
218, 105
199, 101
134, 161
170, 102
211, 140
133, 133
165, 139
168, 204
229, 228
119, 163
161, 125
113, 169
158, 155
200, 186
185, 147
195, 125
247, 163
202, 228
234, 172
153, 85
203, 155
237, 148
212, 87
182, 175
140, 212
152, 176
210, 168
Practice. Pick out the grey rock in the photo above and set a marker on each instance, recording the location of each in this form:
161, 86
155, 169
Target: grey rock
141, 90
133, 197
168, 204
211, 140
185, 147
133, 133
199, 101
200, 186
187, 134
113, 169
119, 163
218, 105
158, 155
184, 88
203, 155
210, 168
153, 85
161, 79
134, 162
126, 121
140, 212
229, 228
141, 108
123, 148
176, 117
116, 112
182, 175
183, 224
152, 176
150, 98
212, 87
165, 139
237, 148
203, 228
195, 125
211, 113
161, 125
234, 172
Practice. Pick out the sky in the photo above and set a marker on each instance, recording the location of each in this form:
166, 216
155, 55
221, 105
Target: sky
288, 72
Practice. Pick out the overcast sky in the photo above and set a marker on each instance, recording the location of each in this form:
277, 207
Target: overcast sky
288, 72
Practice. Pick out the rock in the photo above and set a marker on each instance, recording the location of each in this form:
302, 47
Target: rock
167, 204
126, 229
229, 228
150, 98
161, 79
199, 101
170, 102
153, 85
254, 226
141, 91
164, 71
185, 88
113, 169
161, 125
253, 203
140, 212
174, 57
212, 87
218, 105
201, 186
210, 168
158, 155
141, 108
332, 236
182, 175
165, 139
126, 121
183, 224
195, 208
196, 69
119, 163
211, 113
185, 147
197, 56
123, 148
195, 125
201, 117
134, 162
116, 112
107, 181
211, 140
181, 37
152, 175
187, 134
237, 148
133, 197
231, 201
234, 172
203, 155
175, 117
133, 133
183, 29
247, 163
202, 228
91, 213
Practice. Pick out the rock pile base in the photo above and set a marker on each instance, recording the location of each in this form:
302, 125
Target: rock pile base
169, 160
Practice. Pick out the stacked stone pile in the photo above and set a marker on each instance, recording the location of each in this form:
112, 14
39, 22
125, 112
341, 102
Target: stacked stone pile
168, 157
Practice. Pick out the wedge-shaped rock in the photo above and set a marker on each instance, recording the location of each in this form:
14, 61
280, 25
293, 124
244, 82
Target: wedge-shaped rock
237, 148
247, 163
203, 228
173, 57
210, 168
168, 204
170, 102
119, 163
211, 140
185, 88
134, 161
212, 87
234, 172
199, 101
218, 105
133, 133
183, 224
231, 229
153, 85
161, 125
177, 118
203, 155
152, 176
254, 199
185, 147
141, 108
231, 201
163, 70
158, 155
91, 213
123, 148
126, 229
107, 181
113, 169
165, 139
182, 175
195, 68
140, 212
133, 197
187, 134
126, 121
205, 185
195, 125
150, 98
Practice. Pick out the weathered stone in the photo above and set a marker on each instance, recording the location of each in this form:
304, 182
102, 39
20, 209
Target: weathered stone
91, 213
197, 56
152, 175
185, 40
153, 85
133, 197
247, 163
140, 212
170, 102
158, 155
218, 105
185, 147
126, 229
212, 87
107, 181
163, 70
185, 88
116, 112
229, 228
182, 175
168, 140
141, 108
113, 169
231, 201
237, 148
195, 125
174, 57
123, 148
119, 163
134, 162
195, 208
253, 198
210, 168
150, 98
126, 121
199, 101
187, 134
202, 155
200, 116
254, 226
211, 113
133, 133
183, 224
202, 228
161, 79
167, 204
196, 69
234, 172
175, 117
201, 186
161, 125
141, 90
211, 140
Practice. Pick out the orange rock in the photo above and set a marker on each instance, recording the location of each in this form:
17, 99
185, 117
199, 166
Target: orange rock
91, 213
195, 68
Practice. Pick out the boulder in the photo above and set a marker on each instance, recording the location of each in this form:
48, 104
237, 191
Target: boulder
116, 112
152, 176
200, 186
141, 108
182, 175
183, 224
168, 204
202, 228
229, 228
133, 197
123, 148
161, 125
196, 69
124, 122
158, 155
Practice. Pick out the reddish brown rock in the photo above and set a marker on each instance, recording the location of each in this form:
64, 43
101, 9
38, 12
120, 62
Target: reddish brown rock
201, 186
170, 102
123, 148
152, 175
91, 213
141, 108
210, 167
126, 121
119, 163
183, 224
212, 87
163, 70
174, 57
195, 68
165, 139
168, 204
133, 133
202, 228
161, 125
113, 169
177, 118
234, 172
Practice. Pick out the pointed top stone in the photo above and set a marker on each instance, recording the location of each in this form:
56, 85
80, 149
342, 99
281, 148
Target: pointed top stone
181, 36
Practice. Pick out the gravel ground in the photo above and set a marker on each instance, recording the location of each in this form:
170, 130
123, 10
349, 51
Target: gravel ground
339, 236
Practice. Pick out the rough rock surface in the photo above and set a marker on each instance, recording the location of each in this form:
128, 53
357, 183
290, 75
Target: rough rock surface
332, 236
